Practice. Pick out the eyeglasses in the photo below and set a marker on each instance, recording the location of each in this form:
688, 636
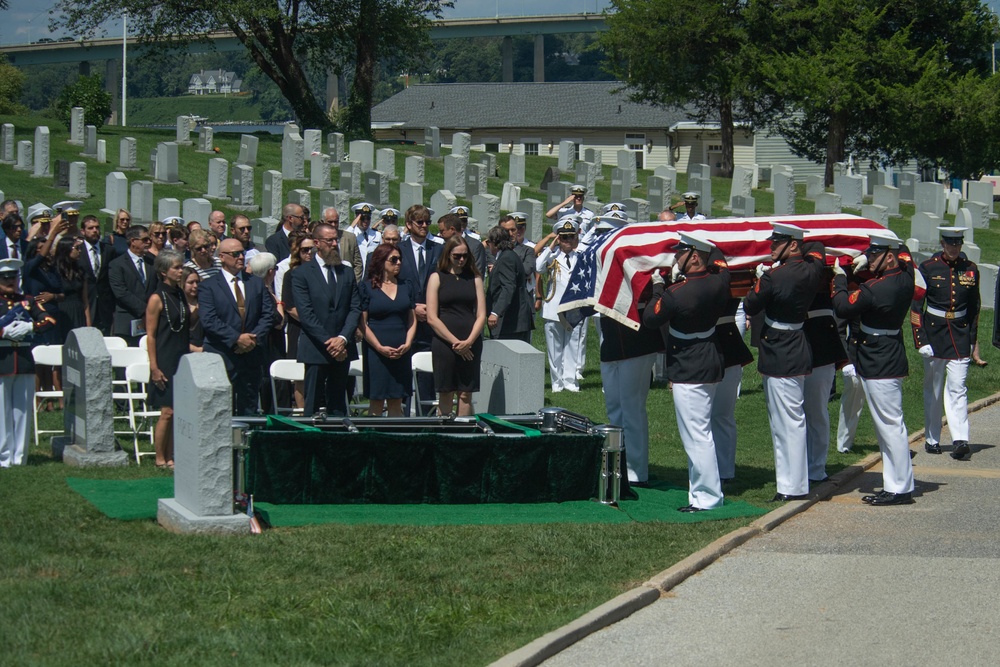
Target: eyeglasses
124, 219
159, 233
307, 249
421, 223
459, 255
233, 253
202, 248
145, 239
395, 259
332, 241
241, 229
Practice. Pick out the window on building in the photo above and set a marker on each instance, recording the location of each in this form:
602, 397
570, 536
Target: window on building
636, 142
531, 149
492, 147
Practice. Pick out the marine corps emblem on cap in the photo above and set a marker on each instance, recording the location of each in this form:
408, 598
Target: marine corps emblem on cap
952, 233
10, 266
783, 232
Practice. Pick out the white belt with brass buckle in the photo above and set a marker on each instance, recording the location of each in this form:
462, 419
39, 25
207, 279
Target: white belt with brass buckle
879, 332
697, 335
782, 326
946, 314
820, 312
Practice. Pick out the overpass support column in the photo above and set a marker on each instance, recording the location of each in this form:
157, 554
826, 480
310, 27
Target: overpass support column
507, 56
332, 93
539, 58
112, 73
84, 68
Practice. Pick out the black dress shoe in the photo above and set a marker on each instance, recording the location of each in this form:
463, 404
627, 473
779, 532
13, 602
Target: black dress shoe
885, 498
819, 481
868, 499
932, 449
727, 480
692, 508
640, 485
961, 450
784, 497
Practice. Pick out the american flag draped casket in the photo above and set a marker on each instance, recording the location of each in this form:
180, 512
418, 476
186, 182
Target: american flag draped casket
616, 267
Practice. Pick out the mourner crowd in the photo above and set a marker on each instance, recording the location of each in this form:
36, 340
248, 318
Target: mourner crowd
385, 287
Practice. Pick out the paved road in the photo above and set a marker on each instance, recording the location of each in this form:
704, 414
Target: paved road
842, 583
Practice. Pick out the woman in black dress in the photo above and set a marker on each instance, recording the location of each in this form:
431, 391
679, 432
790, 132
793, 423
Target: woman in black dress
169, 338
456, 311
73, 311
189, 285
389, 324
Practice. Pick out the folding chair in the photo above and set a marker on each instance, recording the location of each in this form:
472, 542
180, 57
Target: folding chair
115, 343
121, 390
141, 417
357, 403
423, 362
46, 355
143, 342
290, 371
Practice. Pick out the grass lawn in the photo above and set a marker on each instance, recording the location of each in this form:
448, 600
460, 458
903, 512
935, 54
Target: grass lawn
80, 589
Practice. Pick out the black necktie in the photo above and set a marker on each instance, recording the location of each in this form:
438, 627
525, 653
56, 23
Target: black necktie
142, 271
13, 250
331, 277
421, 264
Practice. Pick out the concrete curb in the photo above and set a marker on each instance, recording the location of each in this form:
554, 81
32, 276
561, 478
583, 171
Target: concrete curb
650, 591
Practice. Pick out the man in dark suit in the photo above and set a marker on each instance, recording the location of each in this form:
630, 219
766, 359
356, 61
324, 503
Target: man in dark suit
419, 258
329, 307
507, 300
217, 225
237, 312
95, 260
14, 245
347, 243
292, 217
133, 281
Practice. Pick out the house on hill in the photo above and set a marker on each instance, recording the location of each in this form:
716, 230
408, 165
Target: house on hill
532, 118
213, 82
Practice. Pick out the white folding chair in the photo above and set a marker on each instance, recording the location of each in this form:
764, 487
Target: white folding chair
121, 390
142, 342
46, 355
115, 343
290, 371
357, 403
141, 417
422, 362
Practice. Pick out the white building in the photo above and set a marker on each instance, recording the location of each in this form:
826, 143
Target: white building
214, 81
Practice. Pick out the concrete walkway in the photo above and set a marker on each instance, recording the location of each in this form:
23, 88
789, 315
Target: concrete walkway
842, 583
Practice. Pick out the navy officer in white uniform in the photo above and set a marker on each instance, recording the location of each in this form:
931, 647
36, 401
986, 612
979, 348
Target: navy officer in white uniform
562, 343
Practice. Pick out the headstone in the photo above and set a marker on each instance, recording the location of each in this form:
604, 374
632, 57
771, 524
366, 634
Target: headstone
127, 154
779, 169
248, 150
620, 189
586, 175
335, 146
981, 191
638, 209
964, 219
413, 193
312, 141
656, 190
271, 194
669, 175
923, 227
509, 197
292, 155
742, 183
61, 174
783, 185
461, 144
196, 208
511, 378
490, 160
486, 209
851, 190
142, 202
167, 207
535, 210
261, 228
879, 214
703, 186
319, 171
339, 200
454, 174
888, 196
184, 125
744, 207
595, 157
975, 254
385, 161
814, 186
88, 437
115, 193
626, 161
76, 123
350, 177
152, 163
7, 152
242, 187
206, 139
90, 140
987, 283
953, 201
874, 177
203, 437
413, 169
839, 169
764, 180
515, 173
567, 155
828, 202
363, 151
557, 193
443, 201
432, 142
218, 179
980, 213
907, 186
24, 157
102, 151
377, 188
41, 145
78, 181
300, 197
475, 179
929, 198
167, 163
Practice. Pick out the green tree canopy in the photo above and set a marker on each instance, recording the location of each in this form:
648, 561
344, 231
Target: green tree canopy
88, 92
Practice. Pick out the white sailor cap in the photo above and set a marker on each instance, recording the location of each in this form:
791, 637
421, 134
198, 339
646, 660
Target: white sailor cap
11, 265
690, 197
693, 241
578, 189
389, 213
952, 232
363, 208
614, 206
617, 218
782, 232
39, 211
520, 217
69, 207
883, 239
568, 224
460, 211
173, 221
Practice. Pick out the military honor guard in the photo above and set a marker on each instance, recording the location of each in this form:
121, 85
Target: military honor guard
882, 303
573, 205
690, 309
783, 294
562, 343
689, 202
945, 319
21, 317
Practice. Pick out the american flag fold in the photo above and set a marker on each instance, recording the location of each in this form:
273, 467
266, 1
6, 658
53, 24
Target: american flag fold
616, 267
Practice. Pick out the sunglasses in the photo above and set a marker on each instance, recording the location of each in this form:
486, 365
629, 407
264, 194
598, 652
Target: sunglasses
233, 253
395, 259
202, 248
421, 223
307, 248
241, 229
159, 233
459, 255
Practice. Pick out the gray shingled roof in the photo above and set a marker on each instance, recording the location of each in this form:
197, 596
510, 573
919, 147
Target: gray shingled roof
577, 104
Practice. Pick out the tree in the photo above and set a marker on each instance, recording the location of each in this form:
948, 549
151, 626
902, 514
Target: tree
283, 38
88, 92
683, 54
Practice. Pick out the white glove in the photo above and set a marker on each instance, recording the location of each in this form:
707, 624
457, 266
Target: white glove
849, 371
838, 270
657, 278
926, 351
17, 330
675, 274
860, 262
670, 261
761, 270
